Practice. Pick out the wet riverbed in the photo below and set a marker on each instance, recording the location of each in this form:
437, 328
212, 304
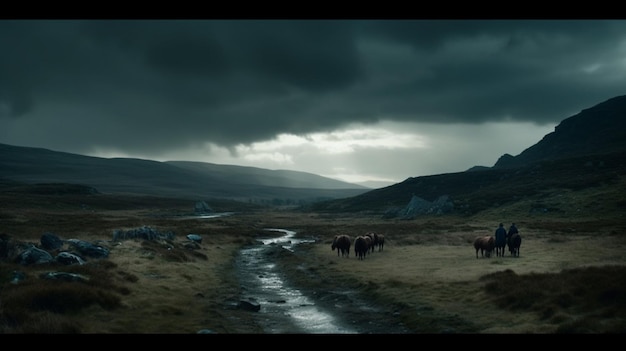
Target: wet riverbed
287, 309
284, 309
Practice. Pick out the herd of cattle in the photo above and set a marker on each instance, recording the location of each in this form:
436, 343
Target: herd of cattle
486, 245
363, 244
367, 243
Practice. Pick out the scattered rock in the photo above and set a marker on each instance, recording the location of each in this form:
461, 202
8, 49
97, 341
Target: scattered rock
34, 255
68, 277
249, 305
195, 237
205, 331
18, 277
69, 258
50, 241
89, 249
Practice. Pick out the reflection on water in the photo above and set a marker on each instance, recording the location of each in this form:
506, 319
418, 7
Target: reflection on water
283, 309
287, 241
210, 215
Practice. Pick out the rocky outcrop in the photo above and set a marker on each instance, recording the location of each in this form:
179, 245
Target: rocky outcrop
201, 207
419, 206
600, 129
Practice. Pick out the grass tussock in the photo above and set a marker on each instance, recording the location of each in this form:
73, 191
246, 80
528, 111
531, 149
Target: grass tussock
22, 304
45, 322
578, 300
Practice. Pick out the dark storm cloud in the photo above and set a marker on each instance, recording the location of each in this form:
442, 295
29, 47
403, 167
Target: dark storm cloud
151, 85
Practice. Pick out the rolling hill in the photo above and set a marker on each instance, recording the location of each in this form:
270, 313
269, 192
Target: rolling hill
169, 179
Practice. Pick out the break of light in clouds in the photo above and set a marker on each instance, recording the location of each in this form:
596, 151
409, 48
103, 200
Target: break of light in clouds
354, 100
419, 145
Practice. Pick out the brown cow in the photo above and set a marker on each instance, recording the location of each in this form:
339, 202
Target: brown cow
485, 244
342, 244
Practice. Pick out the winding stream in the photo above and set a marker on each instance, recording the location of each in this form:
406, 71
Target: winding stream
283, 309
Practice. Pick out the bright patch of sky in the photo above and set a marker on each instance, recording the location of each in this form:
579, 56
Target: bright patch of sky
362, 153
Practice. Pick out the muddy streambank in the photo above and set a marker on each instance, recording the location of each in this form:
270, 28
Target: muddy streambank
296, 299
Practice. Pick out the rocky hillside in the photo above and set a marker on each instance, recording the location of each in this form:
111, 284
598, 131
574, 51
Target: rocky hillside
586, 152
594, 131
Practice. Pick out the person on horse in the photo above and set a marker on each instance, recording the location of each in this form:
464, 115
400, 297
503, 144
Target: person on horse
501, 240
512, 230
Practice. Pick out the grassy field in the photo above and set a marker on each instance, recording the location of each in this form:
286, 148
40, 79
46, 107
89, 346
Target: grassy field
570, 276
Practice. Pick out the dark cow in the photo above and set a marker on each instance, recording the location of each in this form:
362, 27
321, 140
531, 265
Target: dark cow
515, 241
361, 247
342, 243
485, 244
370, 243
374, 240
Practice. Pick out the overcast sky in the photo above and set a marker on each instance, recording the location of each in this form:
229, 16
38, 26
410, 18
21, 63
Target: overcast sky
353, 100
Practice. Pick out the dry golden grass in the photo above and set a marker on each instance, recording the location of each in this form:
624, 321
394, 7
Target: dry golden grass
428, 268
427, 271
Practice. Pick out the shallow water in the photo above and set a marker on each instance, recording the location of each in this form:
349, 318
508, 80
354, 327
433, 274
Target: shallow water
209, 215
284, 309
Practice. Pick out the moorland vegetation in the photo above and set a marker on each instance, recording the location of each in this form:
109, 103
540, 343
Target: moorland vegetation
570, 276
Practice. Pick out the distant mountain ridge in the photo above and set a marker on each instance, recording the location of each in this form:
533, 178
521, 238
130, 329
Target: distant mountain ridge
600, 129
172, 178
586, 150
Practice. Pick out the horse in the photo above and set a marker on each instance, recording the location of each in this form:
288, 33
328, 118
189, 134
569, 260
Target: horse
514, 242
485, 244
342, 243
500, 242
361, 247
